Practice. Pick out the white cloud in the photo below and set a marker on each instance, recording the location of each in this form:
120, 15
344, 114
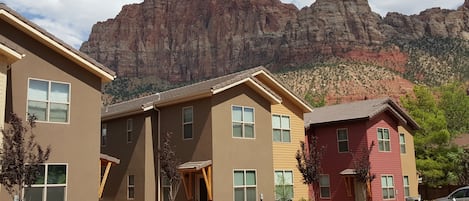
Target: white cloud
71, 20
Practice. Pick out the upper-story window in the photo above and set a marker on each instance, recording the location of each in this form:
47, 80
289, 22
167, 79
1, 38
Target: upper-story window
243, 121
49, 101
342, 140
384, 140
187, 118
103, 135
281, 128
402, 143
129, 130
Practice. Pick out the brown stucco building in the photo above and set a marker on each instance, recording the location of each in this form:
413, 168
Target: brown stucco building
41, 75
236, 135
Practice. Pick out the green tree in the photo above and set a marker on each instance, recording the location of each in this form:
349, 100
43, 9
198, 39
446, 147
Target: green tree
20, 156
455, 103
432, 148
316, 100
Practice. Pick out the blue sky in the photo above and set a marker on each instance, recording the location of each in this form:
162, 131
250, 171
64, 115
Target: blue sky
71, 20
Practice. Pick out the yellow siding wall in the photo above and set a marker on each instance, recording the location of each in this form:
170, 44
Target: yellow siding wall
284, 153
408, 162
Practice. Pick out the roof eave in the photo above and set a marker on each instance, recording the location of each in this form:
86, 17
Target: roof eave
11, 55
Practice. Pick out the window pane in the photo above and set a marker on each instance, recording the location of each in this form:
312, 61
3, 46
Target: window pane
237, 130
406, 191
40, 178
187, 131
403, 150
239, 178
131, 180
248, 115
383, 182
390, 181
343, 146
387, 146
39, 109
380, 134
391, 193
59, 92
325, 192
237, 114
131, 192
58, 112
187, 115
381, 145
385, 134
38, 90
251, 194
278, 177
165, 194
276, 121
56, 174
250, 178
239, 194
385, 193
288, 176
406, 180
249, 130
55, 193
324, 180
286, 136
342, 134
402, 138
276, 136
33, 193
285, 122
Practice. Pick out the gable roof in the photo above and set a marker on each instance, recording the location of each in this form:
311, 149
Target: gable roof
204, 89
15, 19
359, 110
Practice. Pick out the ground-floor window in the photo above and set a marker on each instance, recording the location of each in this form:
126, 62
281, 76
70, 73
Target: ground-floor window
387, 185
245, 185
166, 188
283, 185
325, 186
406, 186
130, 187
51, 184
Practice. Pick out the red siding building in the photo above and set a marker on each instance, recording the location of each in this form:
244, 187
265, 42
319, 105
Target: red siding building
346, 131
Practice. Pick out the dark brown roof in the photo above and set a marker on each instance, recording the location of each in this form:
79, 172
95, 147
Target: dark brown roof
359, 110
59, 41
190, 92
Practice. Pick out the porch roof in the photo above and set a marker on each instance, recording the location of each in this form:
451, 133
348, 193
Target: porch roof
194, 165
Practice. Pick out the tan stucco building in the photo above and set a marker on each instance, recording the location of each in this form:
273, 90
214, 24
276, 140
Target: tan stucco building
236, 136
41, 75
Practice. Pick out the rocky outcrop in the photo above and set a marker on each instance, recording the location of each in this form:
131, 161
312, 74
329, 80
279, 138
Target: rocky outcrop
191, 40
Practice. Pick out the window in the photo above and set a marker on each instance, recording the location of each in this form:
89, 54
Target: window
342, 140
243, 122
51, 184
281, 128
166, 188
387, 185
130, 187
245, 185
187, 116
384, 141
402, 143
49, 101
103, 135
283, 185
325, 186
129, 130
406, 186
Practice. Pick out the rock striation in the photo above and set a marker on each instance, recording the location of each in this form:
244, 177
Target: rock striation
191, 40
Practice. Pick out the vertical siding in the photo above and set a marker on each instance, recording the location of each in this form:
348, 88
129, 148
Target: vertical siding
284, 153
408, 162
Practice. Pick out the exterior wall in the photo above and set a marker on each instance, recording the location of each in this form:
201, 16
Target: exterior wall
284, 153
334, 162
75, 143
385, 163
132, 157
231, 154
199, 148
408, 162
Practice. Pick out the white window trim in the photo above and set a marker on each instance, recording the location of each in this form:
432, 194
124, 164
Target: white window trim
292, 177
129, 131
330, 192
348, 145
45, 186
69, 103
404, 143
242, 123
103, 128
385, 140
185, 123
245, 186
282, 129
130, 186
388, 187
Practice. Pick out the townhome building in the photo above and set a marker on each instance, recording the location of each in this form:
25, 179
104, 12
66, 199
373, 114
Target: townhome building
236, 137
41, 75
347, 131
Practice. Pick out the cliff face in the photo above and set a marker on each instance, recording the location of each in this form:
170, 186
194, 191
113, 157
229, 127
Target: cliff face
191, 40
